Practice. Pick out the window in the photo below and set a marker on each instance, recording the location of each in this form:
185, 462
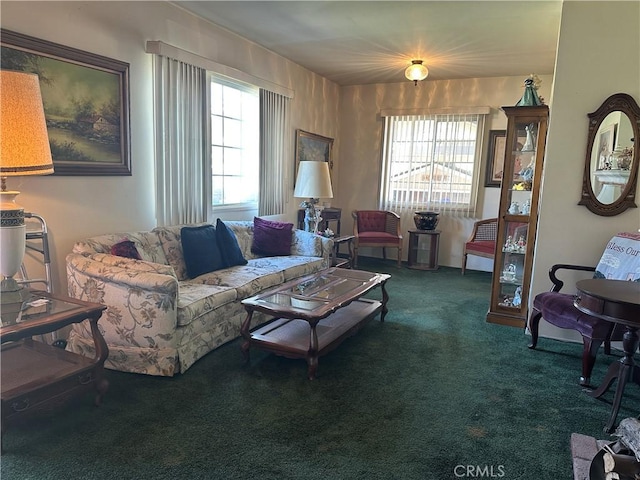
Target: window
431, 162
235, 144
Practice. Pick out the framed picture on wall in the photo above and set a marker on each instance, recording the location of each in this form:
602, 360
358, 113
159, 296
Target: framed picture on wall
495, 158
312, 147
86, 103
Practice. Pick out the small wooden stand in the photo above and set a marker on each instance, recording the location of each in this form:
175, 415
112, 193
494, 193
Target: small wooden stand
423, 244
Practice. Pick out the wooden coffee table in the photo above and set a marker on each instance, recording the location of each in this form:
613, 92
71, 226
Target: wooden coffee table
36, 376
312, 315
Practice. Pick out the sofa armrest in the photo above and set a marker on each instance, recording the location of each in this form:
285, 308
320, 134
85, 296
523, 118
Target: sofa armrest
311, 245
557, 283
141, 305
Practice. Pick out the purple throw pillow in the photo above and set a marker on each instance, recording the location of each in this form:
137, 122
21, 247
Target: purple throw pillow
125, 248
271, 238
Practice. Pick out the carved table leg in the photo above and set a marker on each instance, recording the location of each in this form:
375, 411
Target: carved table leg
623, 370
246, 334
102, 353
312, 354
385, 299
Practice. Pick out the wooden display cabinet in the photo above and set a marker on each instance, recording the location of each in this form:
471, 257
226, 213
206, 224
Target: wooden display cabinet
518, 214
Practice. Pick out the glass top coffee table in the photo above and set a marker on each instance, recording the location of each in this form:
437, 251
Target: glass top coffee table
312, 315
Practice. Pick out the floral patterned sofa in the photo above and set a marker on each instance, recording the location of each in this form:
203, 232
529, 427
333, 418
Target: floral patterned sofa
159, 321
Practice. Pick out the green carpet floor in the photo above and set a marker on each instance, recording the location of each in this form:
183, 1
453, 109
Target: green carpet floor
433, 393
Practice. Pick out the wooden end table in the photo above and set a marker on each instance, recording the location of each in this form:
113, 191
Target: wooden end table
35, 375
342, 262
616, 301
312, 315
423, 244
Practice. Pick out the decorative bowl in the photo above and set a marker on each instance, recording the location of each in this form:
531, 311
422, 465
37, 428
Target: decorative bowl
426, 220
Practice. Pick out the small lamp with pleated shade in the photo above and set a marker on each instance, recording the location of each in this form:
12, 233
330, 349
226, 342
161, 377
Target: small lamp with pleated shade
24, 150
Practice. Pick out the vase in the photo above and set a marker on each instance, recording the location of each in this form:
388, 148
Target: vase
426, 220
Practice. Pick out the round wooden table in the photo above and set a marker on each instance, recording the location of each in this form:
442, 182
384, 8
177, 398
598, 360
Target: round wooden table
616, 301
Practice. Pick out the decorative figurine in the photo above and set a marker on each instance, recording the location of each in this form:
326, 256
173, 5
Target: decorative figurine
526, 207
509, 273
514, 208
530, 97
517, 297
508, 244
530, 142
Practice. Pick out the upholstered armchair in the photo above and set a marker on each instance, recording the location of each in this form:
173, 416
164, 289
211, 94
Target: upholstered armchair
620, 261
376, 228
482, 241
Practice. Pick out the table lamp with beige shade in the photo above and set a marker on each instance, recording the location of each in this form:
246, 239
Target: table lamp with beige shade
24, 150
313, 182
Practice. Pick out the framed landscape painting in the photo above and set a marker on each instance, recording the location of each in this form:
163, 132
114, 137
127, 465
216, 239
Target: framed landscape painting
86, 103
312, 147
495, 158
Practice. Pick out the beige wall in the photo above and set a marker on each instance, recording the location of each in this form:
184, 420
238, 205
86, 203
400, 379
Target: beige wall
79, 207
589, 68
361, 141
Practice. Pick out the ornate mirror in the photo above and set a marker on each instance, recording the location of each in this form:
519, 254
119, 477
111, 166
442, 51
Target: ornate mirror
613, 147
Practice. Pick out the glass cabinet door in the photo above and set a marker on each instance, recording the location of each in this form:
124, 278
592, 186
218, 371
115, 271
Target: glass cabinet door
517, 218
513, 254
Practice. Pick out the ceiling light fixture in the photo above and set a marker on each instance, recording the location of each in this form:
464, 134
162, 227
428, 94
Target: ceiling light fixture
416, 71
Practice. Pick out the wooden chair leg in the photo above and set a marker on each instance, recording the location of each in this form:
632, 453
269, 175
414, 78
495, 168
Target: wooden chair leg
384, 253
464, 263
534, 321
399, 256
355, 256
589, 352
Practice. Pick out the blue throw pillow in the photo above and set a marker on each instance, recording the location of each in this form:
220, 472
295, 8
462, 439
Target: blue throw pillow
200, 249
228, 245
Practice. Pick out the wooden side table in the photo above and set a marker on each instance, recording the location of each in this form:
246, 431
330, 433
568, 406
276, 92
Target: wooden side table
36, 376
328, 215
423, 249
340, 261
616, 301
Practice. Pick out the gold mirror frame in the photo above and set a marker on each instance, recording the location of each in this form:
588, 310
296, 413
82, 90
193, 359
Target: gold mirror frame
619, 102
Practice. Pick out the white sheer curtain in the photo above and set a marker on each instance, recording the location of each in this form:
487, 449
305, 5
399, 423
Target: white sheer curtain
274, 153
181, 152
431, 163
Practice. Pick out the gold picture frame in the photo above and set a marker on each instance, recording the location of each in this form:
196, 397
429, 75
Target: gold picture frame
86, 103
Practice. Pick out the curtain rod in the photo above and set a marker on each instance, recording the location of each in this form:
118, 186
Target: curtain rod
160, 48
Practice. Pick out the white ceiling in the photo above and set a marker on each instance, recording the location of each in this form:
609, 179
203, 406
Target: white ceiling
362, 42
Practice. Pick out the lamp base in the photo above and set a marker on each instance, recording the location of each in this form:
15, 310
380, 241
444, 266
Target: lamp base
12, 246
310, 216
12, 292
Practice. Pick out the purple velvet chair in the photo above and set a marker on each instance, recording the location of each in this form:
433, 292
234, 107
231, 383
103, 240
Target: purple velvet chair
617, 262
